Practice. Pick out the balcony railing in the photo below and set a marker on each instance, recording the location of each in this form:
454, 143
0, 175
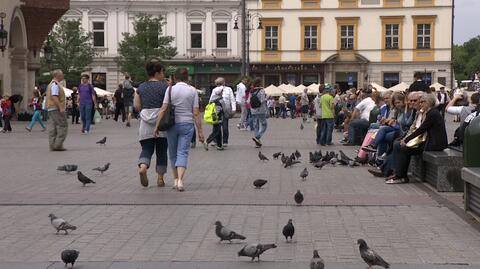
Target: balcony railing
101, 52
222, 53
196, 53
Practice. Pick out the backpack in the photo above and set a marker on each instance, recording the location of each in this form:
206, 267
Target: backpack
210, 116
255, 100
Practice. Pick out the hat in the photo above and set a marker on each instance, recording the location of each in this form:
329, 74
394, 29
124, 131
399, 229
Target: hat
328, 87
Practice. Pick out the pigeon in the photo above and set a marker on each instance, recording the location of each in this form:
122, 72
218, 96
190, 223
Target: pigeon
68, 168
276, 155
290, 162
353, 164
288, 230
304, 174
255, 250
301, 126
316, 262
262, 157
103, 141
84, 179
298, 197
320, 164
258, 183
293, 157
226, 234
69, 256
333, 161
327, 157
283, 158
297, 154
102, 169
315, 157
60, 224
344, 157
371, 257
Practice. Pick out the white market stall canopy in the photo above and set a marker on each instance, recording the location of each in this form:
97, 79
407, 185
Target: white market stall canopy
67, 91
287, 88
313, 88
299, 89
399, 87
437, 87
103, 93
273, 91
378, 87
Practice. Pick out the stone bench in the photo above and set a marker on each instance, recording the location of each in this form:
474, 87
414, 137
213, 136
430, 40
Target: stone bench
471, 177
442, 169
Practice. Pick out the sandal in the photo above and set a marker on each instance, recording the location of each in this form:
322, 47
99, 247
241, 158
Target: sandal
180, 186
143, 178
160, 182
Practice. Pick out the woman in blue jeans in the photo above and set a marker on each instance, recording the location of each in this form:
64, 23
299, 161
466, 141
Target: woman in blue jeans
184, 99
37, 108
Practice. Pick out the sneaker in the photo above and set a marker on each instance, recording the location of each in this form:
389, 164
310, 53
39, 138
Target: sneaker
225, 145
258, 143
128, 124
205, 146
369, 148
193, 145
28, 129
220, 148
376, 172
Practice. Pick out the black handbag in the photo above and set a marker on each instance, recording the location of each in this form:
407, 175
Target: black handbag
168, 119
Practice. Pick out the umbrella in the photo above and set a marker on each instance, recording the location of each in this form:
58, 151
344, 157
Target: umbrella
273, 91
437, 87
399, 87
102, 93
378, 87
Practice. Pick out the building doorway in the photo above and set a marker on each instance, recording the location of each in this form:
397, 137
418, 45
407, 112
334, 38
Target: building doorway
346, 80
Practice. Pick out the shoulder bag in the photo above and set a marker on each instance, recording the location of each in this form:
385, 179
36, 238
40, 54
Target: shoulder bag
168, 119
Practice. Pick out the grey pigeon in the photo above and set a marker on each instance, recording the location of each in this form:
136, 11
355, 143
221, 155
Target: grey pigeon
60, 224
69, 256
283, 158
304, 174
255, 250
301, 126
353, 164
84, 179
103, 141
288, 230
258, 183
297, 154
327, 157
298, 197
333, 161
276, 155
226, 234
293, 157
320, 164
102, 169
290, 162
316, 262
344, 157
371, 257
68, 168
262, 157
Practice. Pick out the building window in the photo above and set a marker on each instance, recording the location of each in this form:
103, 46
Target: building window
98, 34
309, 79
427, 78
390, 79
423, 36
99, 80
222, 35
391, 36
271, 38
310, 40
196, 35
348, 3
347, 37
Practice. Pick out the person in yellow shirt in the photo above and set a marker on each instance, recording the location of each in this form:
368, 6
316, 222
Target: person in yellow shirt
327, 117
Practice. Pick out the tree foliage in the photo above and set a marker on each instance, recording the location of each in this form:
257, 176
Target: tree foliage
72, 49
466, 58
146, 43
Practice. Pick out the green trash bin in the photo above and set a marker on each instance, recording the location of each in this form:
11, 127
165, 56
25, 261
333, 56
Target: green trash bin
471, 144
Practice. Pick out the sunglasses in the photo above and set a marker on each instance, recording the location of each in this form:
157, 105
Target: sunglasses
413, 100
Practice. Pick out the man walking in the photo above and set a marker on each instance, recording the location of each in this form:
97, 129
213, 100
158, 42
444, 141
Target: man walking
128, 93
55, 104
327, 116
304, 101
87, 101
258, 102
228, 109
119, 105
75, 111
291, 104
443, 100
283, 109
241, 100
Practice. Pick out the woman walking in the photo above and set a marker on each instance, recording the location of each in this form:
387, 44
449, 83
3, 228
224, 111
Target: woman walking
37, 108
148, 100
184, 99
6, 105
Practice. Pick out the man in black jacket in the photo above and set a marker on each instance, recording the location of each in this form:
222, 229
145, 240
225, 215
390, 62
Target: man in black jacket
419, 85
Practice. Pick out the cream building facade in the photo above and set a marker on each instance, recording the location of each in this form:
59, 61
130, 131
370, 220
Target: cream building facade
351, 42
203, 34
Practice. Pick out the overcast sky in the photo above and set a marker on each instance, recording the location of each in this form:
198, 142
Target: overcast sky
466, 20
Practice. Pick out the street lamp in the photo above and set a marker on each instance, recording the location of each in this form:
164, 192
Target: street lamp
3, 33
247, 27
48, 52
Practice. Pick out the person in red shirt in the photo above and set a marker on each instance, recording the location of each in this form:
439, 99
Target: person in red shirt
6, 105
36, 105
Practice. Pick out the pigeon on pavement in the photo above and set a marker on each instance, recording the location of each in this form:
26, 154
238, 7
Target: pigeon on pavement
255, 250
320, 164
298, 197
84, 179
262, 157
102, 169
344, 157
69, 256
301, 126
226, 234
60, 224
283, 158
293, 157
353, 164
371, 257
297, 154
316, 262
304, 174
68, 168
276, 155
290, 162
103, 141
258, 183
288, 230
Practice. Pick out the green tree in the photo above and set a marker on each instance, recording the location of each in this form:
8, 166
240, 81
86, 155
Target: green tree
466, 58
146, 43
72, 50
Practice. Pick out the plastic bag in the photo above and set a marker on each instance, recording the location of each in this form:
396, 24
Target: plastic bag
96, 117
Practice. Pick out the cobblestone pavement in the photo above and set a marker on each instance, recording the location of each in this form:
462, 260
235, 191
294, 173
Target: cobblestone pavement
122, 225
